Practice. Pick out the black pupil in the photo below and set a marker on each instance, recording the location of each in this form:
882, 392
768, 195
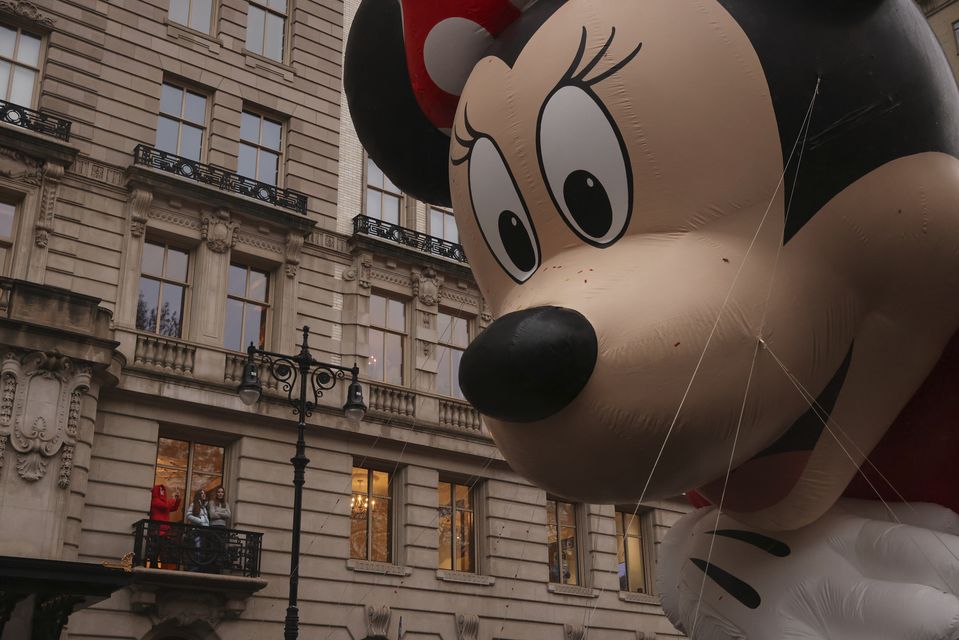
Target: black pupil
516, 241
588, 203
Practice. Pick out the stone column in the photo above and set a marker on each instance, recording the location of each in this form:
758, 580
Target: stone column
138, 207
210, 273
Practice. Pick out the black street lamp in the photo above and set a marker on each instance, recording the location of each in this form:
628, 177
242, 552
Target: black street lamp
292, 372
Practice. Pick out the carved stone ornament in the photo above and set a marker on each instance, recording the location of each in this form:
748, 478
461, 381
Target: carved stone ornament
364, 270
27, 10
139, 205
52, 175
20, 167
467, 626
646, 635
426, 286
294, 245
40, 399
219, 231
574, 632
377, 621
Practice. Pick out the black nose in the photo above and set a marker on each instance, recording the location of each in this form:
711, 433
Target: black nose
529, 364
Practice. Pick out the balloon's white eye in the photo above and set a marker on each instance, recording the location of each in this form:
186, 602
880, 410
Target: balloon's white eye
501, 212
586, 166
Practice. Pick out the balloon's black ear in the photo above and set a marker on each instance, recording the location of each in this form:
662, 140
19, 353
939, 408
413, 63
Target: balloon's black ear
397, 135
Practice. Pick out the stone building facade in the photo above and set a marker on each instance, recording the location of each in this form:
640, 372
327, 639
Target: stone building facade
943, 16
179, 178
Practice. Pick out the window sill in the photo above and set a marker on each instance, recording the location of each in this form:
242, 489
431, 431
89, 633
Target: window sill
381, 568
178, 31
572, 590
268, 67
638, 598
463, 577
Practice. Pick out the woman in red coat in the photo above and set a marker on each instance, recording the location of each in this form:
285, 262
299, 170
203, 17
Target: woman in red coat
160, 509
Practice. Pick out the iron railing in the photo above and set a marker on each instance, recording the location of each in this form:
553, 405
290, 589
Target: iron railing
219, 178
176, 546
409, 238
35, 120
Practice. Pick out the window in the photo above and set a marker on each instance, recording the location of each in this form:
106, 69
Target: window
629, 548
443, 225
561, 538
19, 65
259, 148
371, 516
181, 122
247, 305
8, 215
163, 283
453, 338
955, 32
182, 464
265, 28
387, 330
455, 524
195, 14
382, 196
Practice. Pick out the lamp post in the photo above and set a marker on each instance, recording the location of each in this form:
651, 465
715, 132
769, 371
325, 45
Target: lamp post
295, 374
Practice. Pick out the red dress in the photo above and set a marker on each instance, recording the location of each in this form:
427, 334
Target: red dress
161, 506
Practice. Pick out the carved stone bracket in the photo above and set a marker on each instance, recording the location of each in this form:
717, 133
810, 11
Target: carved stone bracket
52, 175
28, 11
18, 166
294, 245
467, 626
361, 271
40, 400
377, 621
219, 231
139, 205
426, 287
574, 632
646, 635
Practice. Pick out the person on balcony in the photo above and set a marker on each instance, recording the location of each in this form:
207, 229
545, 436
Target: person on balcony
160, 509
220, 517
198, 516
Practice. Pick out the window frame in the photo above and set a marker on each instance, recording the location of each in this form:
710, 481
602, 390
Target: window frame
451, 346
390, 514
185, 87
41, 61
577, 541
280, 156
163, 279
185, 500
264, 6
474, 556
267, 303
642, 515
447, 214
386, 331
211, 29
382, 192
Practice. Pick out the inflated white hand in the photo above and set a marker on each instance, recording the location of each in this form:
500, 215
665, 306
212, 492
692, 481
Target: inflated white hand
855, 574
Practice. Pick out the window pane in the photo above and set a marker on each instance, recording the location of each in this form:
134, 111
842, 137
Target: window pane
8, 39
21, 92
394, 359
195, 107
179, 11
29, 50
271, 134
381, 542
445, 534
373, 204
233, 334
191, 142
634, 564
171, 100
359, 514
374, 366
208, 458
436, 223
443, 386
389, 186
269, 164
621, 554
175, 481
550, 513
632, 523
553, 553
176, 263
278, 5
395, 315
254, 29
444, 494
381, 484
443, 330
173, 453
250, 127
570, 559
464, 541
449, 229
374, 176
200, 15
391, 209
171, 311
255, 325
4, 78
274, 37
377, 311
567, 514
247, 164
463, 497
153, 259
204, 481
237, 285
168, 131
7, 213
259, 283
360, 481
457, 392
147, 302
460, 332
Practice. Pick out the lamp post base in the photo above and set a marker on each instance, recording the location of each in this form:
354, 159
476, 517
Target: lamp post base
292, 627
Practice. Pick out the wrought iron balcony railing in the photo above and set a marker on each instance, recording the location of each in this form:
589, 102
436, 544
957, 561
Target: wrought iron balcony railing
219, 178
180, 547
35, 120
409, 238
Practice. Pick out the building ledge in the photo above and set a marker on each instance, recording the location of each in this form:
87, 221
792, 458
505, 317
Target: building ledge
638, 598
381, 568
572, 590
463, 577
185, 595
37, 145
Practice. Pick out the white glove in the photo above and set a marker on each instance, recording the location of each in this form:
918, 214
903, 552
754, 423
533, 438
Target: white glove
855, 574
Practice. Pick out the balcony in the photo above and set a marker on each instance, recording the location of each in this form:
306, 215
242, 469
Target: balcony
44, 123
211, 176
175, 546
409, 238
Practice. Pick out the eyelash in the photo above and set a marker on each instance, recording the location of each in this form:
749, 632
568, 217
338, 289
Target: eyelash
567, 79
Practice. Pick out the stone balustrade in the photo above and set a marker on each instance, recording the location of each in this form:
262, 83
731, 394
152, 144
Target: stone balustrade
167, 354
394, 401
233, 372
459, 415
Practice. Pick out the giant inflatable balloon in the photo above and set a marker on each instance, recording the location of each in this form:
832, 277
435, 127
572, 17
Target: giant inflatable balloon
721, 238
